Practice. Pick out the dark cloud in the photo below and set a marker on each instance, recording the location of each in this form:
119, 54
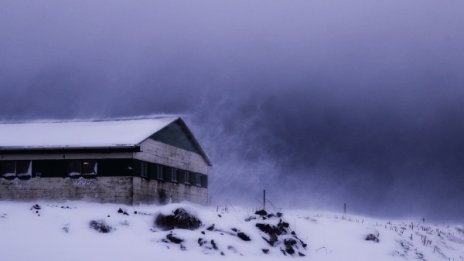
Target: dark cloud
320, 102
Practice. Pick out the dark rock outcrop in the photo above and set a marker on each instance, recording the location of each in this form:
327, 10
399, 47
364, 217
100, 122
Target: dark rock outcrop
372, 237
243, 236
123, 211
174, 239
280, 235
179, 219
261, 212
100, 226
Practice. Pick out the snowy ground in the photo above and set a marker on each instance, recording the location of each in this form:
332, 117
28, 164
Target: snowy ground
61, 231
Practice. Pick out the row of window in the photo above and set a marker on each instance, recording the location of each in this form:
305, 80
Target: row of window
25, 169
170, 174
85, 168
12, 169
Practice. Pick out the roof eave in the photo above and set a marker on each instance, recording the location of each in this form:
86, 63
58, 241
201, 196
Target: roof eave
71, 149
197, 144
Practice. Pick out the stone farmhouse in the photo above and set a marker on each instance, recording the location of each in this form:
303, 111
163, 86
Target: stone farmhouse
153, 159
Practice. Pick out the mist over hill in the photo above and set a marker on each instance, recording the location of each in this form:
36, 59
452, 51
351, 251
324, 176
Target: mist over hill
321, 103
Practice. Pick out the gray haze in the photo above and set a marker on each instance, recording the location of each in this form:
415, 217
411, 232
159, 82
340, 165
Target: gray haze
320, 102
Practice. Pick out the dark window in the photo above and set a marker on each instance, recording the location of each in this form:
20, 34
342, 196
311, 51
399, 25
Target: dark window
204, 181
180, 176
116, 167
159, 172
152, 171
198, 179
187, 177
144, 169
166, 173
89, 168
192, 178
24, 169
12, 169
74, 168
175, 178
7, 169
86, 168
23, 166
50, 168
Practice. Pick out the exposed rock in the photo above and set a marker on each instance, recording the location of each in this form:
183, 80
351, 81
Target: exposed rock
213, 243
281, 234
179, 219
122, 211
210, 228
289, 244
372, 237
174, 239
243, 236
261, 212
100, 226
201, 241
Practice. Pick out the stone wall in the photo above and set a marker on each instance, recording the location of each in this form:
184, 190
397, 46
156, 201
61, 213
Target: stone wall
154, 191
126, 190
100, 189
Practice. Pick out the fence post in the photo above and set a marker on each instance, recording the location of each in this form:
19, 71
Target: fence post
264, 199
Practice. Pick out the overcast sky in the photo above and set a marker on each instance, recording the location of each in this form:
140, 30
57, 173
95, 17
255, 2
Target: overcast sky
320, 102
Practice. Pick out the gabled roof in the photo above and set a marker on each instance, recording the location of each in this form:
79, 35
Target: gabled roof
85, 134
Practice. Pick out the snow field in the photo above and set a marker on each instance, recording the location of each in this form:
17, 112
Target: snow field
61, 231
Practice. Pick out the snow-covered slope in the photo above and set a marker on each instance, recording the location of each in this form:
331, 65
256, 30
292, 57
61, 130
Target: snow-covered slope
68, 231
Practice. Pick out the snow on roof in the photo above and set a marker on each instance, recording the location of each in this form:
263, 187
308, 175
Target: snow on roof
81, 133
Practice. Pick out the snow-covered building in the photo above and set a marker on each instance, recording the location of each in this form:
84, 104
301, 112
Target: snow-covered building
132, 160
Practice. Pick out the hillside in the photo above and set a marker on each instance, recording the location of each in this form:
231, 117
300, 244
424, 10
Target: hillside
90, 231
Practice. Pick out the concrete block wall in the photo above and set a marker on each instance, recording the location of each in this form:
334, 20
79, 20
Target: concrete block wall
154, 191
157, 152
125, 190
148, 191
100, 189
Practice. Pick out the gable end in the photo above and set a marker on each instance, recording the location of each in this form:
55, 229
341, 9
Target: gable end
177, 134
